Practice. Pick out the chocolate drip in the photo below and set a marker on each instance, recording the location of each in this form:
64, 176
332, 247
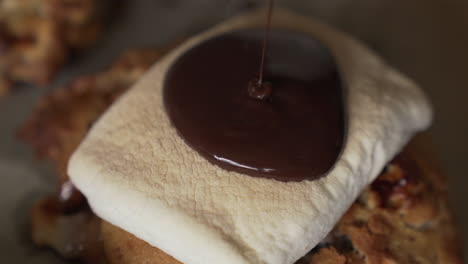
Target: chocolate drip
294, 132
266, 39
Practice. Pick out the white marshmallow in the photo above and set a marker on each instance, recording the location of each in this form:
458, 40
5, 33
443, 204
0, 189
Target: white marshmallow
138, 174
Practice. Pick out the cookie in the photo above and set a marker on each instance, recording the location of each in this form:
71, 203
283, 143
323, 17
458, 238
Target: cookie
38, 37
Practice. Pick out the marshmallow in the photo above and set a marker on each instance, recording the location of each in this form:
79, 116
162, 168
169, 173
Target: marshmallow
139, 175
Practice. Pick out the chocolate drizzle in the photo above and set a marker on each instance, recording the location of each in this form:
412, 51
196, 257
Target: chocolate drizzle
294, 132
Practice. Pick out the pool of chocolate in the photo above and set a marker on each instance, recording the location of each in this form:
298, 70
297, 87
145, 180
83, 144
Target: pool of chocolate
295, 133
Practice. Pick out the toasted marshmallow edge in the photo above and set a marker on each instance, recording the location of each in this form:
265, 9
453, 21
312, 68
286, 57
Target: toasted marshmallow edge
139, 175
173, 229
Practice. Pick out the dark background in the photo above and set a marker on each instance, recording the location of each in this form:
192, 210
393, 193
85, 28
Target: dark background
425, 39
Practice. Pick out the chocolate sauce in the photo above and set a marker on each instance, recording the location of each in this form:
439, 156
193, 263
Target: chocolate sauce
266, 39
7, 39
257, 89
400, 180
295, 133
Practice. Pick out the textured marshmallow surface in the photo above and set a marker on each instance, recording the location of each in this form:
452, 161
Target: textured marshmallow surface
138, 174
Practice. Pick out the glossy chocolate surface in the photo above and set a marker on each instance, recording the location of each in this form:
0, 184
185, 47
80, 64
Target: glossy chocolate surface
296, 132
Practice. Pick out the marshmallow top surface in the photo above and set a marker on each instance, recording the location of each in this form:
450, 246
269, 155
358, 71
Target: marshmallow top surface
138, 174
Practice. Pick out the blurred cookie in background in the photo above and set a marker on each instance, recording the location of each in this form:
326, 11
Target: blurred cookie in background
59, 123
38, 37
